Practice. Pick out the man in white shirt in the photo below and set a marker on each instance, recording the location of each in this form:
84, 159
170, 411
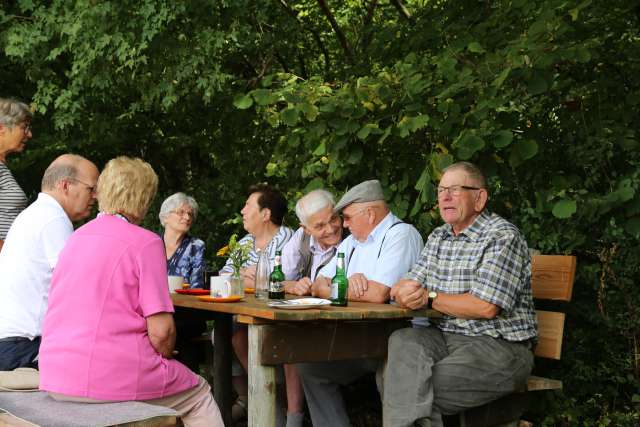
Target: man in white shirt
30, 253
379, 251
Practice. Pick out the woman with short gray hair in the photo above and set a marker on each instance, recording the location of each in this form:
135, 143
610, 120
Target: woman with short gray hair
15, 130
185, 254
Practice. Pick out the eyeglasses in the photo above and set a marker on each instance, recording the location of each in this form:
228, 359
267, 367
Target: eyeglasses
346, 217
91, 188
455, 190
26, 127
182, 213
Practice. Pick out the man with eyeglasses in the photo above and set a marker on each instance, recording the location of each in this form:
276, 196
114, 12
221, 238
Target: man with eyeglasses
30, 253
379, 251
476, 270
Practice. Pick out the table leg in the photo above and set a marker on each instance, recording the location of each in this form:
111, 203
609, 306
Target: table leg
222, 365
262, 384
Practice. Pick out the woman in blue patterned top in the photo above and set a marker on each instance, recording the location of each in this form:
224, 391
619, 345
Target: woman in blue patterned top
185, 254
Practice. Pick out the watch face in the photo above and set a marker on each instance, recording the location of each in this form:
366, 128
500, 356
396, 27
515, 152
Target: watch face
433, 294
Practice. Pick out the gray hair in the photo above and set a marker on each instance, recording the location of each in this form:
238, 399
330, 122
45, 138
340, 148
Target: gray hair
473, 171
63, 167
173, 202
14, 112
312, 203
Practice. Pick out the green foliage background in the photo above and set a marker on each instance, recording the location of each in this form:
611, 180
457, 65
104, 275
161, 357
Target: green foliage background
217, 95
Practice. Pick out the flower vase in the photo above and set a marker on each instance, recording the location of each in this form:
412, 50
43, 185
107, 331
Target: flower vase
236, 285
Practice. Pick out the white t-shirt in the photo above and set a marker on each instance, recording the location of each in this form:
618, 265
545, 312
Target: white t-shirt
27, 259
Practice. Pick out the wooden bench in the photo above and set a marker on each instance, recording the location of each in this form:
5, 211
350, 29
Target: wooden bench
552, 279
21, 409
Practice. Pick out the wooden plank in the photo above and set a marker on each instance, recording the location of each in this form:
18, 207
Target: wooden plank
262, 383
550, 332
552, 276
539, 383
253, 307
323, 341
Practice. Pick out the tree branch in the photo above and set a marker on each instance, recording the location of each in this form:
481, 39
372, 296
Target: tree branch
336, 28
366, 37
314, 33
402, 9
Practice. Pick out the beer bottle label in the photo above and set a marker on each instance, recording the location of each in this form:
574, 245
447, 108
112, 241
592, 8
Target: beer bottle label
276, 287
334, 290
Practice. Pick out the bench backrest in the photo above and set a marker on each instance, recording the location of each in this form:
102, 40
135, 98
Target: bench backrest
552, 278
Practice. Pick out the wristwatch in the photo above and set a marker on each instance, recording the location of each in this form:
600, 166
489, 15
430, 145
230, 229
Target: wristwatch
432, 297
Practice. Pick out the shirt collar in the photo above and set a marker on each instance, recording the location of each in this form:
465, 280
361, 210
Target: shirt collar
473, 231
317, 249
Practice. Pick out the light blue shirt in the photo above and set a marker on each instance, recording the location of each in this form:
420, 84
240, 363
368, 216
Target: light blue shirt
389, 252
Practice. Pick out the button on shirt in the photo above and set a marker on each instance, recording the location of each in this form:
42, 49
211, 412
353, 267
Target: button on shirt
385, 256
291, 256
27, 260
490, 260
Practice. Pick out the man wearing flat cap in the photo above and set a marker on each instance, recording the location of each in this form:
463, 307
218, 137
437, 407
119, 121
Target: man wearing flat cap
380, 250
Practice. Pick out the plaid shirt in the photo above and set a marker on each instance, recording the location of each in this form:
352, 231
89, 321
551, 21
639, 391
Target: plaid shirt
490, 260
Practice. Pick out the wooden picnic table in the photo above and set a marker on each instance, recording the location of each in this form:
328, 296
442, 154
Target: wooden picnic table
278, 336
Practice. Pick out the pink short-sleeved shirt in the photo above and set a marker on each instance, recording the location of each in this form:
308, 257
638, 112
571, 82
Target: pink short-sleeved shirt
110, 276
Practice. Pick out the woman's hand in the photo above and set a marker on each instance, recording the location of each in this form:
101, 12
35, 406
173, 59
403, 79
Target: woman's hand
161, 330
248, 275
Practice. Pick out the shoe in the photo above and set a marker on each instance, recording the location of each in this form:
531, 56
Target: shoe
239, 409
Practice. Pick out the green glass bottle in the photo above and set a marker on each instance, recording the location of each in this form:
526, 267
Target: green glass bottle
339, 284
276, 287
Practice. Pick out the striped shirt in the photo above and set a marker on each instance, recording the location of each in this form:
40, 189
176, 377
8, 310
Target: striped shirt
489, 260
276, 243
12, 200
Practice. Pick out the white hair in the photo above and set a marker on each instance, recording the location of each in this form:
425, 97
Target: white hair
312, 203
173, 202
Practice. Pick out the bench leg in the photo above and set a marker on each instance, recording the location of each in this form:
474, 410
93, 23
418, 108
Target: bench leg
262, 384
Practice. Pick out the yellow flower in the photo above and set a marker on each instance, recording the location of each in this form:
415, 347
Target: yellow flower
223, 251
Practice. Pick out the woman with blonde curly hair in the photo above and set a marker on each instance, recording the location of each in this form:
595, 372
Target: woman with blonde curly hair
109, 333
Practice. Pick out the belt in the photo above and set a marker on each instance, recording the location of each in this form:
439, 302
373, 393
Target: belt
14, 339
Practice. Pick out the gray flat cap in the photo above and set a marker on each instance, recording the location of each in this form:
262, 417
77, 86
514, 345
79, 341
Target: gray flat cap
367, 191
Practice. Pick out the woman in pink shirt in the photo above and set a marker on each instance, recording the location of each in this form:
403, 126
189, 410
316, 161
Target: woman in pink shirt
108, 334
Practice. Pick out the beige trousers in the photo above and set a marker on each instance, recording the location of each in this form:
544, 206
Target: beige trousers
195, 405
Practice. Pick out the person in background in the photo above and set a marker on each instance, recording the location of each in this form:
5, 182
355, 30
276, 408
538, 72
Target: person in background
312, 246
108, 334
185, 253
15, 131
31, 251
476, 270
379, 251
185, 257
262, 218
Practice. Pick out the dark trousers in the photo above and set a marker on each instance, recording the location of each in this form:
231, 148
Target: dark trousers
188, 328
18, 352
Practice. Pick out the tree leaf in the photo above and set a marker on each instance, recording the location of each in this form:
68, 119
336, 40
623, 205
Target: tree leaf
527, 148
537, 85
564, 208
468, 145
475, 47
289, 116
243, 102
502, 139
320, 150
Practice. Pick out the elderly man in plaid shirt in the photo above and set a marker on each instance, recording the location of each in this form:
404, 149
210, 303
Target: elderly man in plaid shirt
476, 270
